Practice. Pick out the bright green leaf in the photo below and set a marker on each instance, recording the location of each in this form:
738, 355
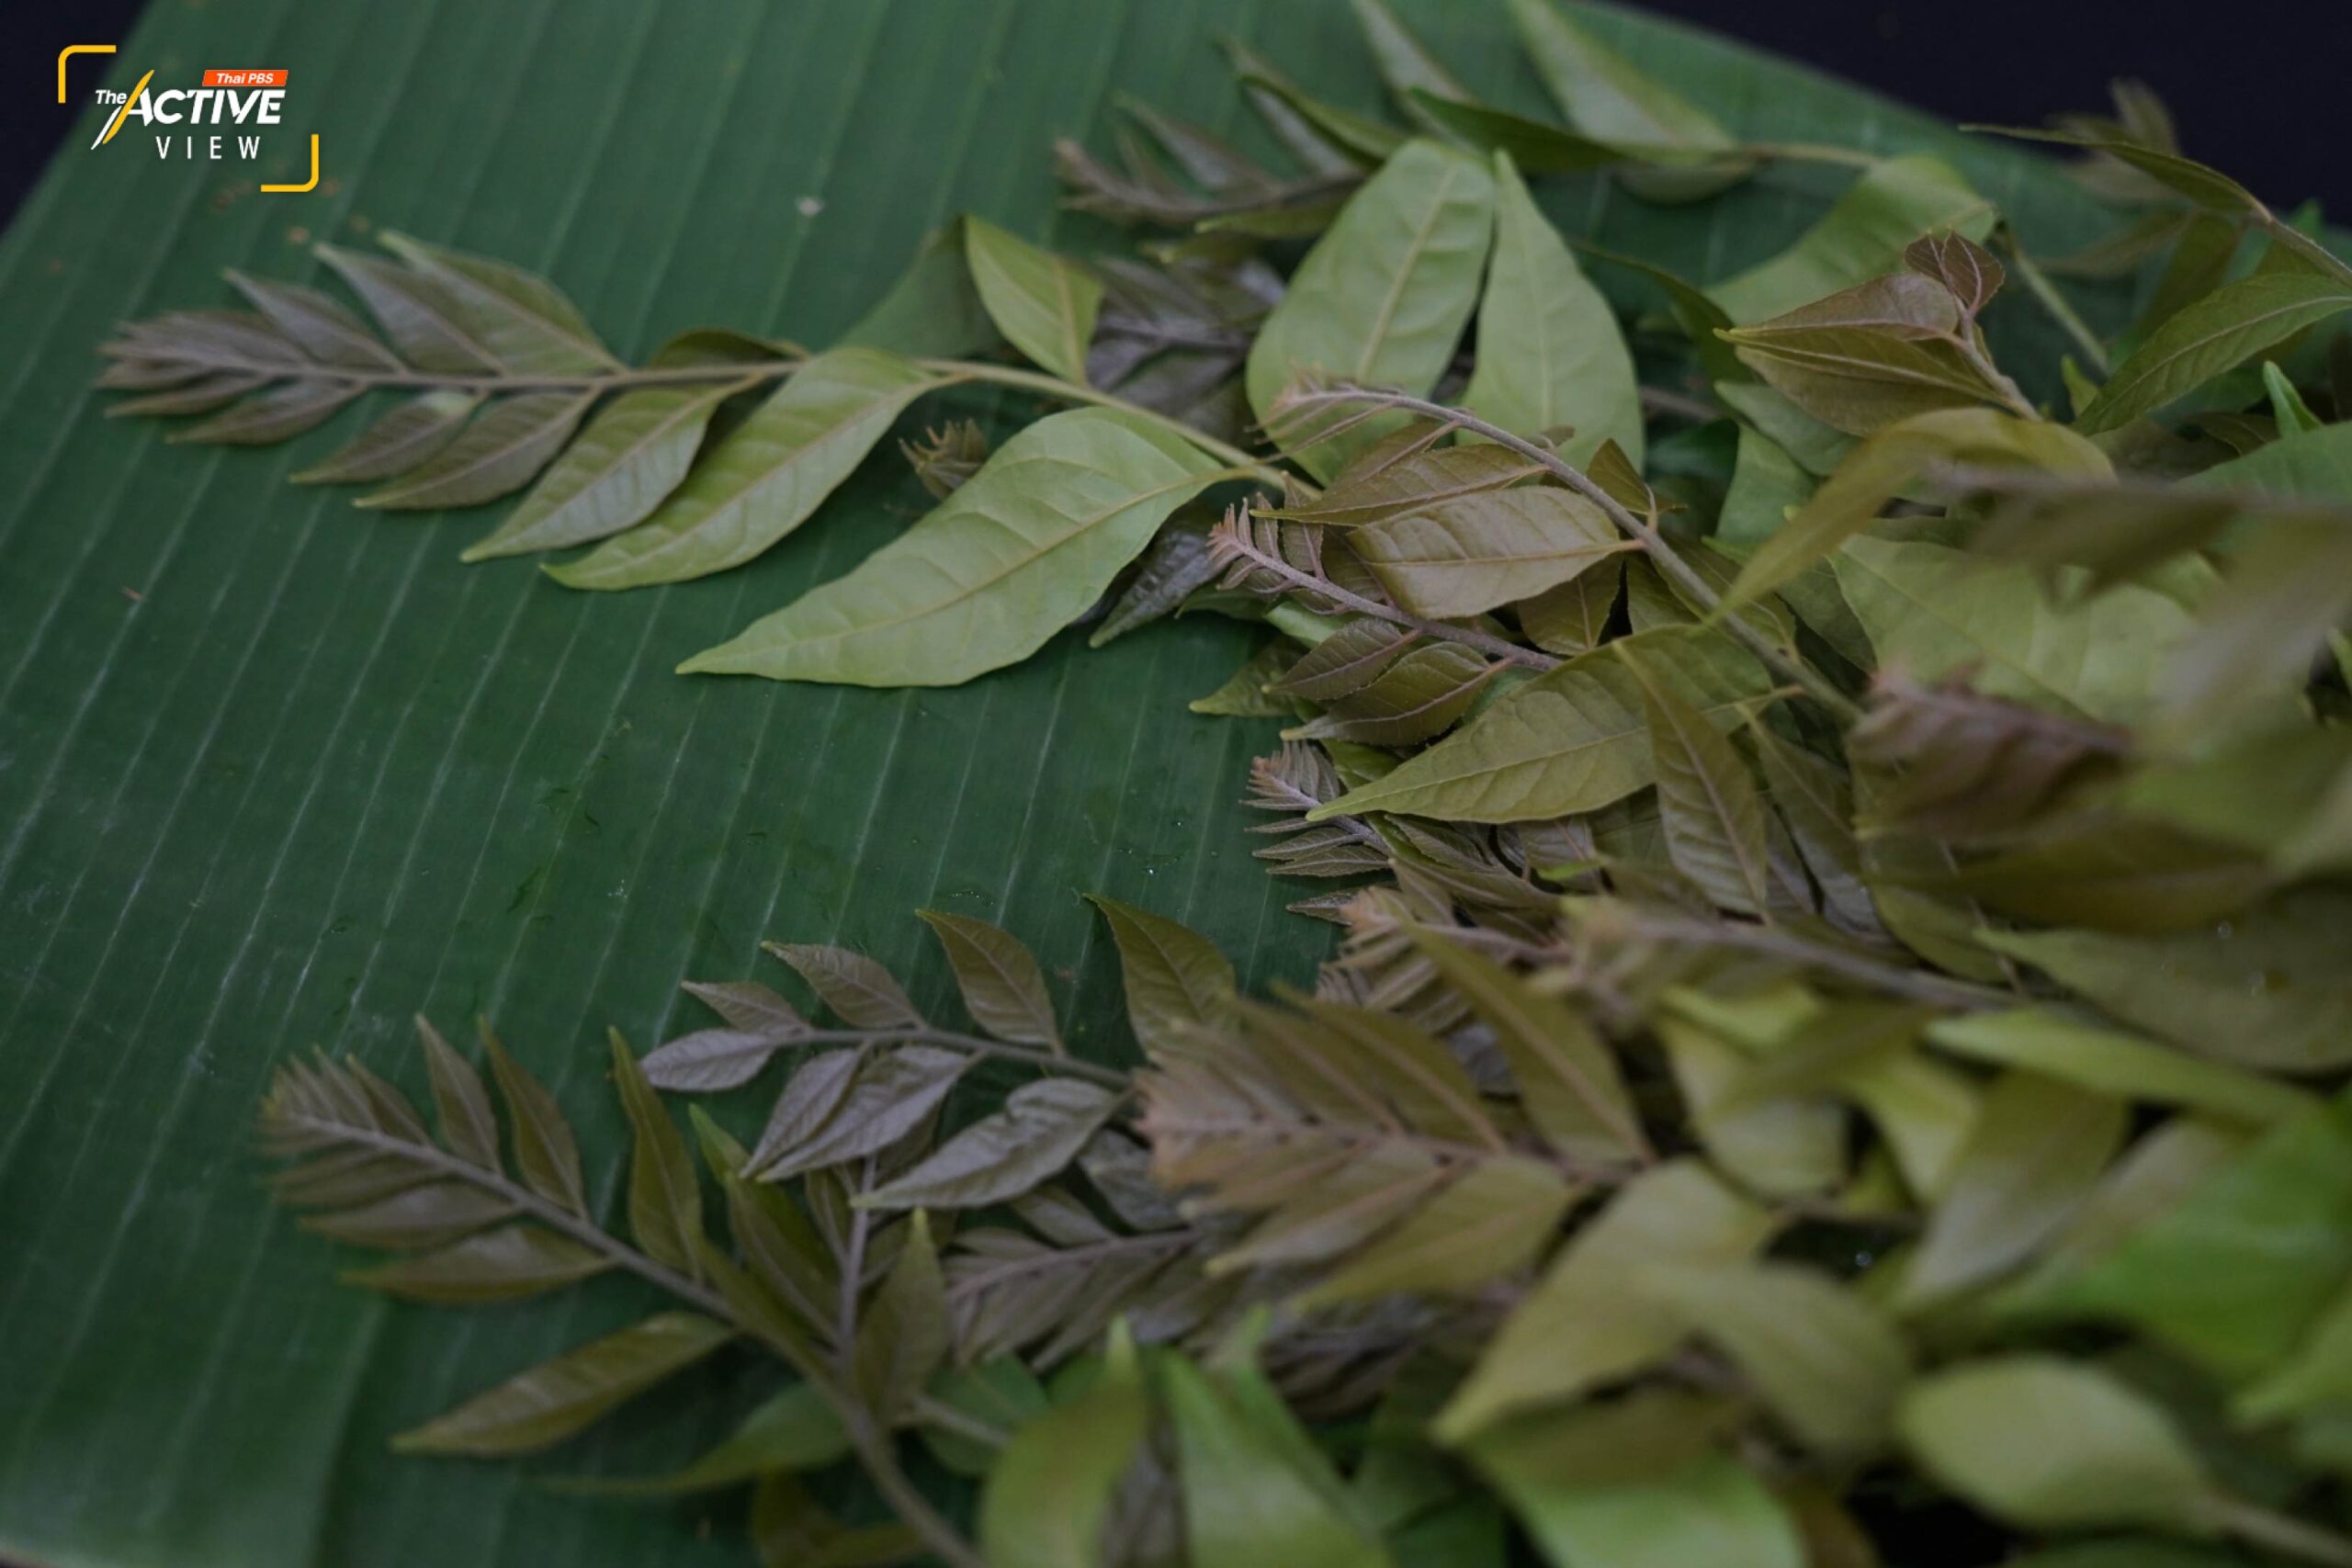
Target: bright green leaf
1549, 354
765, 478
997, 569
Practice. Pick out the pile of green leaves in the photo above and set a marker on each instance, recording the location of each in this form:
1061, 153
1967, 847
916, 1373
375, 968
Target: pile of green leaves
1837, 1046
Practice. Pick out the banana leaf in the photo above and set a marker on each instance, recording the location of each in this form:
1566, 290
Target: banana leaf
277, 774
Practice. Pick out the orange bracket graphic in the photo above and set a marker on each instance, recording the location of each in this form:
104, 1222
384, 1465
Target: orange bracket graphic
68, 52
313, 184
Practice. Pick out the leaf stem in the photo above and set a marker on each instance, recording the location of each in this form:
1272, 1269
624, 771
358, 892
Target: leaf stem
1662, 554
2047, 294
751, 373
873, 1447
1678, 405
924, 1034
553, 1215
860, 1223
1995, 377
990, 1275
1815, 153
939, 1413
1324, 588
1072, 392
2282, 1533
1444, 1151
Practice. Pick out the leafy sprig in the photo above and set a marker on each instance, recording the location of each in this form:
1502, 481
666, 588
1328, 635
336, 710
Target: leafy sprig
1842, 942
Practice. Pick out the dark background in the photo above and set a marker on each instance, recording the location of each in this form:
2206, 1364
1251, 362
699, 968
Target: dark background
2259, 88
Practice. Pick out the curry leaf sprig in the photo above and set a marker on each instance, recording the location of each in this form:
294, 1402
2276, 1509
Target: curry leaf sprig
1839, 1042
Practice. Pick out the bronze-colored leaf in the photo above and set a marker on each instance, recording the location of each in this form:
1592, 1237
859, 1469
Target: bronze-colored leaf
1003, 989
852, 985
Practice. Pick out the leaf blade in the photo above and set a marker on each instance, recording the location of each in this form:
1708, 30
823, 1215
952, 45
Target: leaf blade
992, 573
